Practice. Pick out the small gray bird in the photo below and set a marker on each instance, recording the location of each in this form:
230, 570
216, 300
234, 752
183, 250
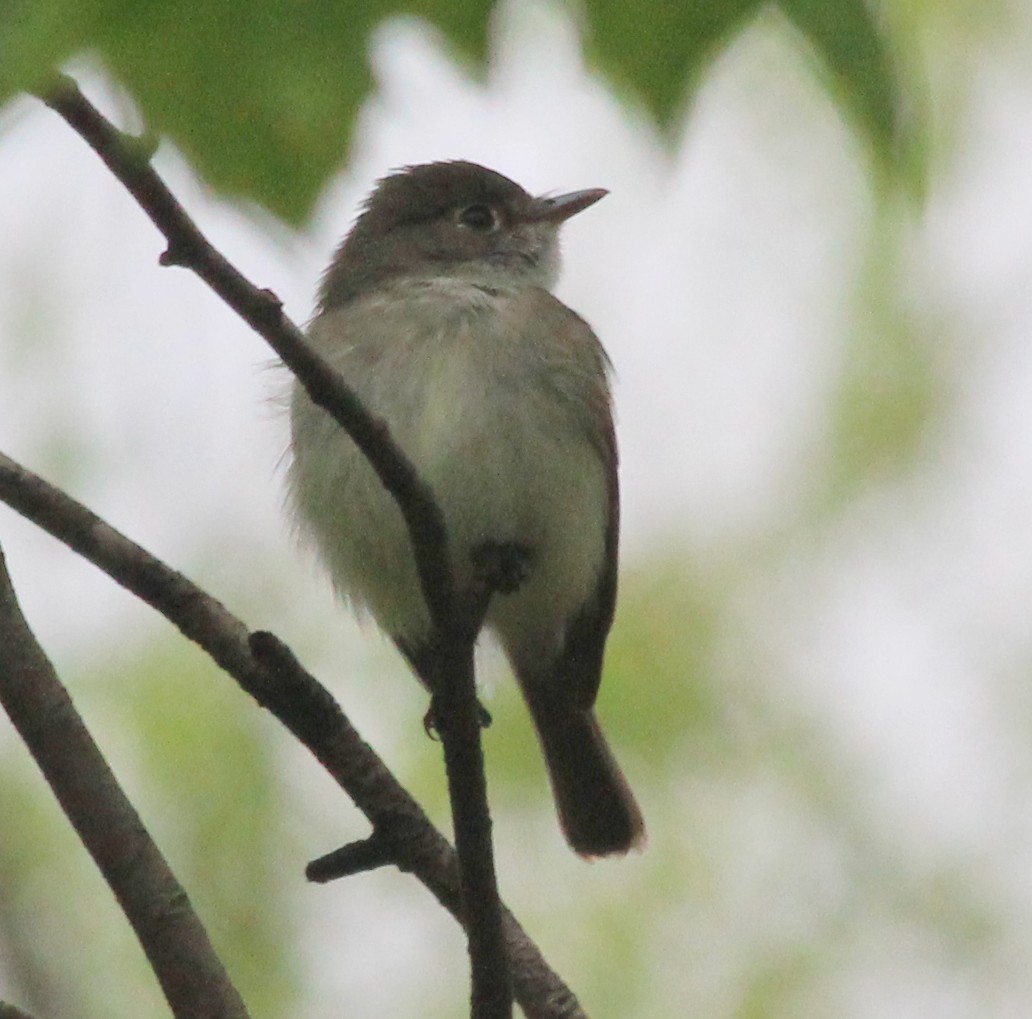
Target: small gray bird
437, 310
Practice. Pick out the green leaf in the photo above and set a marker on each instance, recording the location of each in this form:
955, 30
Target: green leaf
35, 38
659, 49
261, 97
856, 51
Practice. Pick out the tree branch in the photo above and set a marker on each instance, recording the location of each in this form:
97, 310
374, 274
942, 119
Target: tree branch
177, 946
129, 162
457, 714
266, 670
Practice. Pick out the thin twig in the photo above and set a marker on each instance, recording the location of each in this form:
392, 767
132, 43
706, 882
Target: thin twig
191, 976
354, 858
269, 673
188, 247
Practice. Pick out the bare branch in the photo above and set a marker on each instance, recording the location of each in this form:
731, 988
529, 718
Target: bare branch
190, 973
129, 162
264, 668
354, 858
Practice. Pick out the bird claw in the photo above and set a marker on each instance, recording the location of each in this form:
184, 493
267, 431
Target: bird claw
433, 729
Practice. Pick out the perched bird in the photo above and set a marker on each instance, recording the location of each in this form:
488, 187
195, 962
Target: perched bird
437, 311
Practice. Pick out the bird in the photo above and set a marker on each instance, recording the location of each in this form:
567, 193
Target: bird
437, 309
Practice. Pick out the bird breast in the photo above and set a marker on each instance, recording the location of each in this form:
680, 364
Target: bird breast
493, 406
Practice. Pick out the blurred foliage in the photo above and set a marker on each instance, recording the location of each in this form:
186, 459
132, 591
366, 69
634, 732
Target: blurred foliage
61, 932
262, 97
893, 383
657, 49
199, 765
859, 57
209, 765
768, 873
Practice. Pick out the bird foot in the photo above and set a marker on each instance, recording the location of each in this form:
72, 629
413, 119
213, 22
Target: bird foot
432, 726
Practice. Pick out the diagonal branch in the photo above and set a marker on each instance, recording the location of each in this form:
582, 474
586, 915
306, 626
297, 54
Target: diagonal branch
177, 946
129, 162
262, 667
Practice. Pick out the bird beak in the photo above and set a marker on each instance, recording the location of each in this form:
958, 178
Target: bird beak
560, 208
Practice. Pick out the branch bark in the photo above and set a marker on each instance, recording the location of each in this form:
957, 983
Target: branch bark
177, 946
266, 670
128, 160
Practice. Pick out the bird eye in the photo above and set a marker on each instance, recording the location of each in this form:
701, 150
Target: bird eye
478, 217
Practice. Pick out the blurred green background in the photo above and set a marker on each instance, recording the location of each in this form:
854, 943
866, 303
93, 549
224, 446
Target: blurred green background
811, 275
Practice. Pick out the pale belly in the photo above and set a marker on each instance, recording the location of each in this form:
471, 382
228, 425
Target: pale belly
507, 459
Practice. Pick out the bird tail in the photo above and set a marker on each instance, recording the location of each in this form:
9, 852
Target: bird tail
597, 811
